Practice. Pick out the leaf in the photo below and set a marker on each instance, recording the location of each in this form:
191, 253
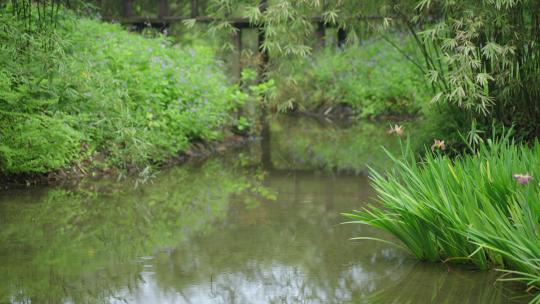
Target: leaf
189, 23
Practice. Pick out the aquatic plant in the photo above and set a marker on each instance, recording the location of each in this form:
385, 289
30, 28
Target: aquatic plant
471, 209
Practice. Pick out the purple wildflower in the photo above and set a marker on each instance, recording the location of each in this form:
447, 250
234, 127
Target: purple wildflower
523, 179
438, 144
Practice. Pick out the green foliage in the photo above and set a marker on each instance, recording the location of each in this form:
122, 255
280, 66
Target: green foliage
373, 78
471, 209
479, 55
34, 137
288, 25
37, 143
43, 14
173, 95
263, 89
483, 57
243, 124
130, 99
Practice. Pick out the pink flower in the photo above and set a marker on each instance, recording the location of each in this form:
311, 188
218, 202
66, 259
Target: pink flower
438, 144
523, 179
399, 130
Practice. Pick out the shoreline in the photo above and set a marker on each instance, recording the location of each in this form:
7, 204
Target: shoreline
198, 150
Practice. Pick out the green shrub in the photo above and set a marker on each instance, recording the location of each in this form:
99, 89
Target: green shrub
134, 100
36, 143
33, 137
173, 95
471, 209
373, 79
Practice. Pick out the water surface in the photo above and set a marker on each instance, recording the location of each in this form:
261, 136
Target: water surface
227, 230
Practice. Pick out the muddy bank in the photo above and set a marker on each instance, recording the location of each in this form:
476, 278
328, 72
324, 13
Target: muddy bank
94, 167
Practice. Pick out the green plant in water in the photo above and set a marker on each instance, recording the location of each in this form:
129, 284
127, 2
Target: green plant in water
480, 208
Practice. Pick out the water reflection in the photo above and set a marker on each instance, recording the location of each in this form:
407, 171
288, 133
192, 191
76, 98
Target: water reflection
63, 244
313, 144
292, 251
213, 233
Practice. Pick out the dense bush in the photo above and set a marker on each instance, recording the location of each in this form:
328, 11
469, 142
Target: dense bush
480, 208
373, 78
91, 87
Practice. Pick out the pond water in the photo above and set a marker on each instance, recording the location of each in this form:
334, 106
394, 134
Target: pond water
257, 225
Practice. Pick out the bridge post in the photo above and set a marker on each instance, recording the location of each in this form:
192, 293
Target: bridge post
237, 40
341, 37
194, 8
127, 8
320, 35
163, 8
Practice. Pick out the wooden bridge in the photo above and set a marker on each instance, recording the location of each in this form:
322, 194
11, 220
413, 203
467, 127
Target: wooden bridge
162, 20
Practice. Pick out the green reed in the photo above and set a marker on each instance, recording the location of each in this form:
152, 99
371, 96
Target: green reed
472, 209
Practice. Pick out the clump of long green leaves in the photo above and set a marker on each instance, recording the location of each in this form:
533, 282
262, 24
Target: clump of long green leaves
473, 209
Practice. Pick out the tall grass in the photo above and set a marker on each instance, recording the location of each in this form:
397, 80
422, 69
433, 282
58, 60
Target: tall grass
472, 209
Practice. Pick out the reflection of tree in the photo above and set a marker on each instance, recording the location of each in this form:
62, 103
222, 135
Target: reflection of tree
281, 250
74, 245
291, 251
195, 235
